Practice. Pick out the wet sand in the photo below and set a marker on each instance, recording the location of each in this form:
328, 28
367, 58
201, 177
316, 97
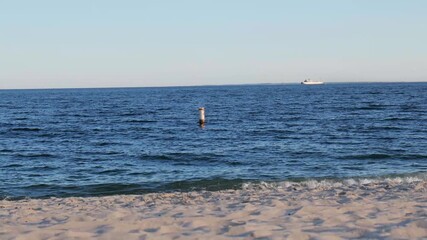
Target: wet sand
393, 209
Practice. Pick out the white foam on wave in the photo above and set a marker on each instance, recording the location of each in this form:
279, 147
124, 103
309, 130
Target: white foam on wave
325, 184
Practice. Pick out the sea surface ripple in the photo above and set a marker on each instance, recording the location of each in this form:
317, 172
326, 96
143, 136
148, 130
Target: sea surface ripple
90, 142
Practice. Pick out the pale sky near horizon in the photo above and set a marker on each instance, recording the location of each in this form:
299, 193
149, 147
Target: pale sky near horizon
104, 43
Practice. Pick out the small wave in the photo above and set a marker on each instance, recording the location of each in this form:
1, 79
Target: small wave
395, 119
35, 155
35, 175
415, 181
112, 171
379, 156
141, 173
44, 168
88, 153
130, 114
38, 186
141, 129
373, 156
328, 184
275, 132
372, 106
101, 144
5, 151
26, 129
140, 121
13, 165
49, 135
164, 109
80, 115
414, 156
385, 128
374, 92
20, 118
185, 157
157, 157
409, 107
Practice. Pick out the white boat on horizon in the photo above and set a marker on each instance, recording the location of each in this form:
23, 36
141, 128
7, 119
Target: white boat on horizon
310, 82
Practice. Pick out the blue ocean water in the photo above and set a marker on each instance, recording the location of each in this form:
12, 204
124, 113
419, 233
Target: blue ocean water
89, 142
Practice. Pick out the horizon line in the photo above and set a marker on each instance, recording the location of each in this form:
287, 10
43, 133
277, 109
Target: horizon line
202, 85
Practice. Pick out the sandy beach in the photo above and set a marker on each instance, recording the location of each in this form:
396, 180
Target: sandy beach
392, 209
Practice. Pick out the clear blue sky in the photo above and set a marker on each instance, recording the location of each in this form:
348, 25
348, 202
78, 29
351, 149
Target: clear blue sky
102, 43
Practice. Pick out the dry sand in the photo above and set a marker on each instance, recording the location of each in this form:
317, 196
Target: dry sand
394, 209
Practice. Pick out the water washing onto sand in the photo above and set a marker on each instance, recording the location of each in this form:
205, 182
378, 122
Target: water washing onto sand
338, 183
